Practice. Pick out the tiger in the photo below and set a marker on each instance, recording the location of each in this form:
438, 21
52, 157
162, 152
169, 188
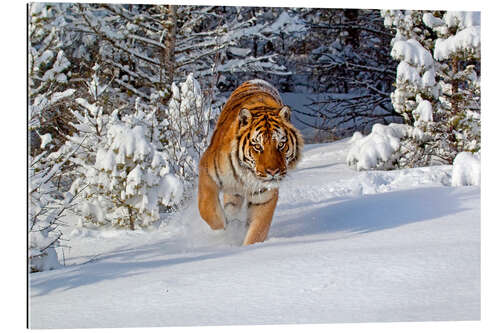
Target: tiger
253, 146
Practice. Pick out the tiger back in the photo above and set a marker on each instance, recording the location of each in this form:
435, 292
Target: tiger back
253, 147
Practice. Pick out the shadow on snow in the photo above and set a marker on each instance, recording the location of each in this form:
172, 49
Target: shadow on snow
368, 213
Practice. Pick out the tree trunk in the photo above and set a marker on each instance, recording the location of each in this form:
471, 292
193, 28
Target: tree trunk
169, 54
131, 218
454, 87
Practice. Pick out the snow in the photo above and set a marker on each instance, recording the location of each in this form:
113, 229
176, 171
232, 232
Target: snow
465, 40
45, 140
466, 169
462, 19
286, 24
408, 73
344, 246
423, 112
412, 52
239, 51
378, 149
429, 78
431, 21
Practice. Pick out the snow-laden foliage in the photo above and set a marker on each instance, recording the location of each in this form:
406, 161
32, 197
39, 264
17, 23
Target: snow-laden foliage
48, 75
382, 149
130, 180
415, 78
466, 169
42, 235
185, 129
150, 47
437, 86
119, 164
46, 205
457, 51
90, 123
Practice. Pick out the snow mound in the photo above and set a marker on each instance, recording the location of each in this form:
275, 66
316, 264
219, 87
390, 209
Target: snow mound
466, 169
378, 150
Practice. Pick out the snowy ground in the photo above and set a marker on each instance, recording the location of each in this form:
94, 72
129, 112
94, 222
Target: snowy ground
343, 247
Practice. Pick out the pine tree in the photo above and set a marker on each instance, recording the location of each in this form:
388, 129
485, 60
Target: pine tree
437, 87
114, 161
417, 92
457, 52
129, 180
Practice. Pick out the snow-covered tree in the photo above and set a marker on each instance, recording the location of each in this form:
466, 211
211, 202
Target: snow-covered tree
129, 180
457, 53
437, 86
90, 116
46, 206
151, 46
185, 129
116, 163
48, 74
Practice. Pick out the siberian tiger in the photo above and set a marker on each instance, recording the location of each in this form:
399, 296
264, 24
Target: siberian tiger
252, 148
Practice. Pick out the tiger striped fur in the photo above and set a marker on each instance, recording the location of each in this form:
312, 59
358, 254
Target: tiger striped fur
253, 146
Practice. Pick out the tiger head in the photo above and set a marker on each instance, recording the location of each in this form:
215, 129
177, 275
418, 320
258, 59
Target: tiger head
268, 144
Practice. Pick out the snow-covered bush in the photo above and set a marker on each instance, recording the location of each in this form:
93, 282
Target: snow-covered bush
415, 80
46, 206
382, 149
116, 161
466, 169
129, 180
184, 133
90, 122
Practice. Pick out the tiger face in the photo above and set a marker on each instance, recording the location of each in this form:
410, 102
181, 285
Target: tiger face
268, 144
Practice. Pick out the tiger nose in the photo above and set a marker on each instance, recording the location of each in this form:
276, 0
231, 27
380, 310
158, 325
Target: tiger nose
273, 172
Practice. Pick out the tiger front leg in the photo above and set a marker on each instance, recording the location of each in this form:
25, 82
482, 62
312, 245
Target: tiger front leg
260, 214
208, 202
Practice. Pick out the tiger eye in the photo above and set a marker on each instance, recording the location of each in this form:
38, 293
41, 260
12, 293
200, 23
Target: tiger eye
258, 148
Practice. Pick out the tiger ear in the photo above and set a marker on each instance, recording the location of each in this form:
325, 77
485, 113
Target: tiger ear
245, 117
285, 113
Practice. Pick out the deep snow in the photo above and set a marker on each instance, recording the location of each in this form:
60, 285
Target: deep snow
344, 246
